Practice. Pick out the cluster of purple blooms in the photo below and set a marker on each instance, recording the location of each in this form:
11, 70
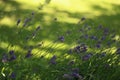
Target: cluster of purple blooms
53, 60
80, 48
29, 54
61, 38
73, 74
26, 21
9, 57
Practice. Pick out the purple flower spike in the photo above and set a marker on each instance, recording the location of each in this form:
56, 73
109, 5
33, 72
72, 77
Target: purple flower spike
93, 37
53, 60
80, 48
5, 58
18, 22
77, 76
26, 21
84, 49
29, 54
86, 57
13, 57
83, 18
86, 36
33, 34
24, 24
11, 52
106, 31
61, 38
12, 75
98, 45
37, 28
103, 54
77, 49
108, 43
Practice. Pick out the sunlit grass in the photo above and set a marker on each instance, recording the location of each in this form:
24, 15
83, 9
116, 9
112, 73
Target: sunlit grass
4, 45
117, 38
28, 4
7, 21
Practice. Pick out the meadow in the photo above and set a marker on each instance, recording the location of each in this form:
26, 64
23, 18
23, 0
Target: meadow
59, 40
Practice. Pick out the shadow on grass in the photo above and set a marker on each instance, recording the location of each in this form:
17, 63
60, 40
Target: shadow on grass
38, 67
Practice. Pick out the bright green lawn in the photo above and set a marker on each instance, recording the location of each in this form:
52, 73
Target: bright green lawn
58, 18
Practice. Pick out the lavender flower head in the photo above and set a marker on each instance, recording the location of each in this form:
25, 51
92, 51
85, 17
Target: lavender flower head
86, 57
29, 54
13, 57
103, 54
53, 59
77, 49
93, 37
86, 36
11, 52
35, 31
80, 48
83, 48
18, 22
12, 75
83, 18
106, 31
5, 58
26, 21
98, 45
37, 28
76, 76
61, 38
